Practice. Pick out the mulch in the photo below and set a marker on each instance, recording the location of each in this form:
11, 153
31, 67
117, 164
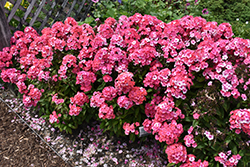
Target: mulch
19, 146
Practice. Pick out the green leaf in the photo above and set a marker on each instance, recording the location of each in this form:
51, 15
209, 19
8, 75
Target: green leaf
228, 139
169, 12
220, 112
226, 106
201, 79
189, 119
198, 85
65, 116
132, 137
149, 90
137, 111
178, 102
115, 129
195, 123
88, 20
242, 152
233, 147
100, 80
200, 146
100, 87
171, 164
111, 12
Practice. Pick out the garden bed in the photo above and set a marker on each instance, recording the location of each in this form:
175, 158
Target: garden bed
21, 147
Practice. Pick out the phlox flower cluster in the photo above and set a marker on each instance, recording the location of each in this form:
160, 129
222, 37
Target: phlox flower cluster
10, 75
170, 133
109, 93
33, 96
191, 162
189, 141
85, 79
131, 128
68, 61
106, 112
150, 107
124, 102
176, 153
5, 58
98, 100
179, 83
166, 111
152, 80
54, 118
240, 120
80, 99
137, 95
209, 135
107, 78
124, 82
223, 159
74, 110
56, 100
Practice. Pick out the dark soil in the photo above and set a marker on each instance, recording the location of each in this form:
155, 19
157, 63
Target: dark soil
19, 146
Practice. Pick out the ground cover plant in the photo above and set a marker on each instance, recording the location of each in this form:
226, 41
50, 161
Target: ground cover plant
234, 12
165, 10
185, 81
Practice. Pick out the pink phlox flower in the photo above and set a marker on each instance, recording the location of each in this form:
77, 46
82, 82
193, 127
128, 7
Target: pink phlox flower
109, 93
147, 125
97, 100
106, 112
240, 120
124, 102
80, 99
85, 79
74, 110
124, 82
10, 75
170, 133
69, 60
196, 116
166, 110
189, 141
105, 31
176, 153
107, 78
137, 95
130, 128
56, 100
152, 80
191, 162
223, 159
209, 135
54, 118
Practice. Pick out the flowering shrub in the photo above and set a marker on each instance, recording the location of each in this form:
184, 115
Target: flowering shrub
223, 159
240, 120
179, 80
